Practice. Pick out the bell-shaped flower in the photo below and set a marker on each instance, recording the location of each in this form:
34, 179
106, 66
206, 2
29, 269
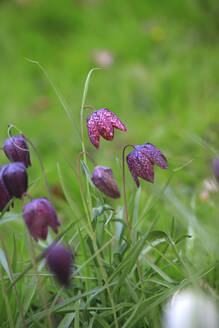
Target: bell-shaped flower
103, 179
102, 122
15, 179
141, 162
4, 194
17, 150
38, 215
60, 261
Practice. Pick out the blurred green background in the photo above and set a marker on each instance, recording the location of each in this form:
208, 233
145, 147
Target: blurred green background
161, 77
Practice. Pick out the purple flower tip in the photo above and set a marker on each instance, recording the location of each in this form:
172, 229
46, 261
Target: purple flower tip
13, 149
102, 122
60, 261
141, 162
38, 215
103, 179
4, 194
15, 179
215, 168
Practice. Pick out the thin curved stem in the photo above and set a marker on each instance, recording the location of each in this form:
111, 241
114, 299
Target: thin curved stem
82, 130
82, 108
81, 186
36, 152
89, 107
10, 126
90, 156
124, 190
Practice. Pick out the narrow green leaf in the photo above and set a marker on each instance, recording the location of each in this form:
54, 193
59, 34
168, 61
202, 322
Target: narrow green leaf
67, 320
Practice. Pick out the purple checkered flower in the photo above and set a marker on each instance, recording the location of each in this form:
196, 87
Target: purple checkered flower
15, 179
14, 150
102, 122
4, 194
38, 215
103, 179
141, 162
60, 261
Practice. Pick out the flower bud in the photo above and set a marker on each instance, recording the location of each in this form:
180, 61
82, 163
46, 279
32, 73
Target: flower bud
191, 309
38, 215
103, 179
15, 179
60, 261
14, 149
4, 194
215, 168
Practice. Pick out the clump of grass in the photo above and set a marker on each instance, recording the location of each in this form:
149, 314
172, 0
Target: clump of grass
130, 257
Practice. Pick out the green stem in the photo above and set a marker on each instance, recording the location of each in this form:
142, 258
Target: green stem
5, 295
39, 285
126, 208
41, 256
93, 237
124, 191
82, 131
15, 287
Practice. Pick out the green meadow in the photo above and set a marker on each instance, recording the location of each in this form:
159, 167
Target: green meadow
160, 76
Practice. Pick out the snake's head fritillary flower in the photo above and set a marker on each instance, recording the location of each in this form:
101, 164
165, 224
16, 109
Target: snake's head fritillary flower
16, 149
215, 168
102, 122
103, 179
141, 162
15, 179
38, 215
4, 194
60, 261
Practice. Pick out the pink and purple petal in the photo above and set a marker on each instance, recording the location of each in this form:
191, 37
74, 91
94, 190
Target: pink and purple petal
132, 168
92, 130
155, 155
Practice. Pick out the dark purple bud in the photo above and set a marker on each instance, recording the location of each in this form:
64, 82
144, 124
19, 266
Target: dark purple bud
4, 194
60, 261
14, 149
15, 179
103, 179
102, 122
38, 215
141, 162
215, 168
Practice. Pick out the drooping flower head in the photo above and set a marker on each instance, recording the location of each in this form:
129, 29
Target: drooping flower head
102, 122
14, 149
141, 162
15, 179
4, 194
38, 215
103, 179
60, 260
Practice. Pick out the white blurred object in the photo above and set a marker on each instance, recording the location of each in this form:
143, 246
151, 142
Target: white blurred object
190, 309
103, 58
